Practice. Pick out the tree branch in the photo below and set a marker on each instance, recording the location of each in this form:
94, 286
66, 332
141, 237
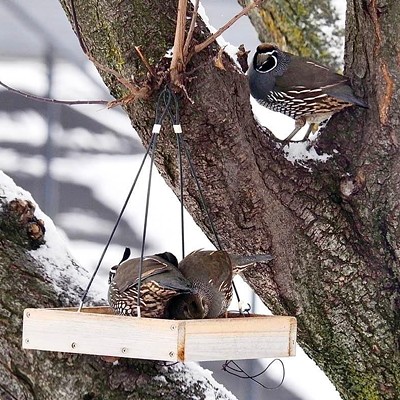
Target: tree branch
221, 30
178, 61
50, 100
191, 30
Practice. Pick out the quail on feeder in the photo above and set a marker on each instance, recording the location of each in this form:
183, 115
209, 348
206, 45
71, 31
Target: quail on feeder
298, 87
211, 274
161, 281
187, 306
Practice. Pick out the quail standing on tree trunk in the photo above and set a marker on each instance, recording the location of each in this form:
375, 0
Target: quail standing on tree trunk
298, 87
161, 282
211, 274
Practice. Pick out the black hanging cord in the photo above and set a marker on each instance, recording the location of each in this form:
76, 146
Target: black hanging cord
204, 206
115, 226
202, 200
178, 131
181, 143
235, 369
167, 100
158, 120
178, 143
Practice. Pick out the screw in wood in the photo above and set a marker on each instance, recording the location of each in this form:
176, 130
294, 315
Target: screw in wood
73, 345
124, 350
171, 354
26, 340
173, 327
28, 314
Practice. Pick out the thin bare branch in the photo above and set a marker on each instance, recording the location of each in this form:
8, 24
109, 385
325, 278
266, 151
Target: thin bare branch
144, 61
191, 30
54, 101
178, 62
221, 30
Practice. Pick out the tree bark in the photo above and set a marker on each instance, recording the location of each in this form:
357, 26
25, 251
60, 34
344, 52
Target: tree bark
333, 227
300, 27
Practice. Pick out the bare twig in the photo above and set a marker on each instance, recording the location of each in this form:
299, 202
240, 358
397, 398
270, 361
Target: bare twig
54, 101
144, 61
221, 30
191, 30
178, 62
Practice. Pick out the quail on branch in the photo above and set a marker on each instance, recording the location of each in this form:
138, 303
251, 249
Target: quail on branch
211, 274
161, 281
298, 87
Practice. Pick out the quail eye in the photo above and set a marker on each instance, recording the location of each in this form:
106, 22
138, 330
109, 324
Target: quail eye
266, 62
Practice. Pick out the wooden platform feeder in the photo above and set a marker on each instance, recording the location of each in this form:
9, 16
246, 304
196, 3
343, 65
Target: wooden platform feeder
97, 331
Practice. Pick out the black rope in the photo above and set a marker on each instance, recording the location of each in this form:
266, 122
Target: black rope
178, 130
158, 120
181, 143
166, 91
202, 199
205, 208
116, 225
179, 151
235, 369
165, 100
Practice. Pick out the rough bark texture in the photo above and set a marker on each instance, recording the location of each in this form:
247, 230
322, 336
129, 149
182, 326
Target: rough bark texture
333, 227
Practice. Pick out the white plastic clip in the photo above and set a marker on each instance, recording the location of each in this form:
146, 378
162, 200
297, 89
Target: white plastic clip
177, 128
156, 128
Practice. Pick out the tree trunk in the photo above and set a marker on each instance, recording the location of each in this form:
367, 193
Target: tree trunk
333, 227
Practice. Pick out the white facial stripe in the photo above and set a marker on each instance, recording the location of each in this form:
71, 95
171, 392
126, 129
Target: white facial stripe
268, 60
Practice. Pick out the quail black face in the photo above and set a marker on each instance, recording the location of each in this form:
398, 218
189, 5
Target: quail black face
298, 87
266, 59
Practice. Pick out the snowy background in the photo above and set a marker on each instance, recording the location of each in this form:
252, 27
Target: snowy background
79, 164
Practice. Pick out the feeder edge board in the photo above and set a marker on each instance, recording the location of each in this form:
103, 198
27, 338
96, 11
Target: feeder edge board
97, 331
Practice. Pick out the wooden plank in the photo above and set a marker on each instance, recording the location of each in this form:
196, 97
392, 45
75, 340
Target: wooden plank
240, 338
100, 334
97, 331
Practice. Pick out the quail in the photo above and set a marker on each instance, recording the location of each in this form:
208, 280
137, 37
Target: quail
187, 306
298, 87
211, 274
161, 281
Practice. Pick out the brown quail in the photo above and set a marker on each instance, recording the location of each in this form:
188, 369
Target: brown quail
211, 274
161, 281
